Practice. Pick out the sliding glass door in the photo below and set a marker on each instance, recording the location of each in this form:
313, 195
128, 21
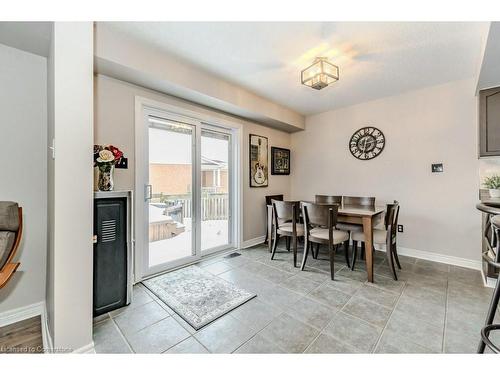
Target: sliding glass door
187, 187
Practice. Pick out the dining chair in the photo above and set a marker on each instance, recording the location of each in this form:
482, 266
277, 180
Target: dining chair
269, 199
387, 237
319, 225
11, 231
287, 224
328, 199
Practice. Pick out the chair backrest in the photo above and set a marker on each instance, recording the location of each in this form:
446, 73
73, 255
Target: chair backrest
11, 227
328, 199
358, 201
391, 221
269, 198
285, 211
324, 215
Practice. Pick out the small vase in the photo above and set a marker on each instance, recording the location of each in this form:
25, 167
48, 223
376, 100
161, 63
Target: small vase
494, 193
105, 181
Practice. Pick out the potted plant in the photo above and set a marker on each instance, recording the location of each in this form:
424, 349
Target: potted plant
105, 158
493, 184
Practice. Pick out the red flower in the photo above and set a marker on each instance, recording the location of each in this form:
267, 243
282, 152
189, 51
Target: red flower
116, 152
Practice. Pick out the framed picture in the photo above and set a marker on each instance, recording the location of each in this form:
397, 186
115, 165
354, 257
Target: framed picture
259, 161
280, 161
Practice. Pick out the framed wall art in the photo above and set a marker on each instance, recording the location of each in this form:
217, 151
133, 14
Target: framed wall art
280, 161
259, 161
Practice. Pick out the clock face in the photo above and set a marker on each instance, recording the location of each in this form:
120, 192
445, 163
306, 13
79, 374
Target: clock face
367, 143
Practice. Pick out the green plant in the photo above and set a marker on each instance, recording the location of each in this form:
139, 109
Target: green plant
492, 182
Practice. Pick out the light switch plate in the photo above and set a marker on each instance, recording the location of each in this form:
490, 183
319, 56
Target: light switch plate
437, 168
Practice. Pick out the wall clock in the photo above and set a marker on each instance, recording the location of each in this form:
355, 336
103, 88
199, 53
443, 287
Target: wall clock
367, 143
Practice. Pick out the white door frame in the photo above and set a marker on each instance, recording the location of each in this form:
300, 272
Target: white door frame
141, 156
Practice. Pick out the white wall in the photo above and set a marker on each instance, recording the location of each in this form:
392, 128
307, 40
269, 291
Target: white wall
114, 123
70, 267
23, 134
435, 124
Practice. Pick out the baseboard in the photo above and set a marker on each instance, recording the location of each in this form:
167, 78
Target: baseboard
253, 242
435, 257
87, 349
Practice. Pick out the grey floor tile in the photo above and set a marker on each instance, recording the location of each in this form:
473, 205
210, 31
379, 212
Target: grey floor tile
368, 311
344, 284
140, 297
112, 346
433, 266
388, 284
428, 282
357, 274
238, 261
140, 317
158, 337
330, 296
105, 330
416, 331
278, 296
217, 268
101, 318
392, 343
353, 331
289, 334
256, 313
259, 345
224, 335
459, 342
377, 295
423, 309
325, 344
188, 346
273, 274
312, 312
300, 284
419, 293
315, 274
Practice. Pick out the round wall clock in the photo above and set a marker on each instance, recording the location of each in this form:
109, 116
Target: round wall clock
367, 143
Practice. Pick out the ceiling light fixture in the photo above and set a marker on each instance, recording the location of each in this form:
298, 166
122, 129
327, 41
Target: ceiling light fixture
320, 74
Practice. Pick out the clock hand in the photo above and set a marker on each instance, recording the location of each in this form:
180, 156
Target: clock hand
364, 145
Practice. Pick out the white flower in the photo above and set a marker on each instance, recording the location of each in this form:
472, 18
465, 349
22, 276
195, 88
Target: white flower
105, 156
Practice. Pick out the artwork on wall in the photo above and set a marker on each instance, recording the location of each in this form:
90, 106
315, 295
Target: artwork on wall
259, 161
280, 161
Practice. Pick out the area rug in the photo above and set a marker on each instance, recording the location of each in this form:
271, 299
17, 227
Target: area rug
196, 295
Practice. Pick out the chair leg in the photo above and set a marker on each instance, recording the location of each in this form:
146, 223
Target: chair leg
307, 245
390, 259
491, 313
346, 253
362, 253
288, 243
294, 251
331, 250
395, 253
315, 255
275, 244
354, 253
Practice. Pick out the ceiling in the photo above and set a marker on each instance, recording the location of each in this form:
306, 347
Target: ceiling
33, 37
375, 59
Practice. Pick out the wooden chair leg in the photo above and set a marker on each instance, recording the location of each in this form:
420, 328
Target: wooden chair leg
395, 253
307, 245
354, 253
362, 253
390, 259
275, 244
331, 250
294, 239
288, 243
346, 253
315, 256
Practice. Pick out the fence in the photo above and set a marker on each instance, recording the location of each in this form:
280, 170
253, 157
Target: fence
213, 206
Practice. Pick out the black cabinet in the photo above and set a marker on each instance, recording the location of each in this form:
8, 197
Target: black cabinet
111, 253
489, 122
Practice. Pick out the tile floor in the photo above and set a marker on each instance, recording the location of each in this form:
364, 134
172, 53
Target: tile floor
433, 308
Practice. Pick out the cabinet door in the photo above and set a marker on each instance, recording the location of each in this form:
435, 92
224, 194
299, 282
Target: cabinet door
110, 255
489, 122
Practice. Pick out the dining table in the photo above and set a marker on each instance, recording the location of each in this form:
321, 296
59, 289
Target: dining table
366, 216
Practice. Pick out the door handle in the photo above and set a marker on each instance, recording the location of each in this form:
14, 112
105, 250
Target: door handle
148, 192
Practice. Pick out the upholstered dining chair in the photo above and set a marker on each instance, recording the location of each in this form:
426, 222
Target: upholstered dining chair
387, 237
328, 199
11, 230
287, 224
269, 198
319, 225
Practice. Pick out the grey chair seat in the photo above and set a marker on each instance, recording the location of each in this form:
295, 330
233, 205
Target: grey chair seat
339, 236
7, 239
379, 236
287, 228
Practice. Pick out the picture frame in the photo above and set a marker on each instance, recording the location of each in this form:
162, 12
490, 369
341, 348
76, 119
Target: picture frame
258, 157
280, 161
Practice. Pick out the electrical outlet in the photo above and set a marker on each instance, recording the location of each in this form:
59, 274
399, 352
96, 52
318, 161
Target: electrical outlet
122, 164
400, 228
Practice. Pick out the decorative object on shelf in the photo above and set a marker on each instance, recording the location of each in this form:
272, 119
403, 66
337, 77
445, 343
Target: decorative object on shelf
493, 184
259, 161
280, 161
320, 74
105, 158
367, 143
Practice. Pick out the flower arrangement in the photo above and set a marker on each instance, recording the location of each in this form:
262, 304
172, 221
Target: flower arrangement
105, 158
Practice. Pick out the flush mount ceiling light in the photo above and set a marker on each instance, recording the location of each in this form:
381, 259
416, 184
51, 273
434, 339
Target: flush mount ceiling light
320, 74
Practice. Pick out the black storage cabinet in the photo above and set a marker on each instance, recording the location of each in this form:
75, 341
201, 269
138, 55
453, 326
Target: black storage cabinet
111, 277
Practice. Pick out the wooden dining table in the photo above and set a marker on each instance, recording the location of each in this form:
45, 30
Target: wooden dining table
367, 216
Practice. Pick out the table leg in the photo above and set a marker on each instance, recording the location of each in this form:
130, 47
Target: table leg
269, 227
368, 232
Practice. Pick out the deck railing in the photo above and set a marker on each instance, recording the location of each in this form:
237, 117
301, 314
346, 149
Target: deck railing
213, 206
